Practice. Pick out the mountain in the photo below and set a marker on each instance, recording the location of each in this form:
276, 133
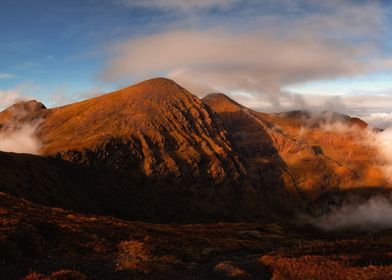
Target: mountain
156, 128
129, 185
156, 152
300, 152
166, 153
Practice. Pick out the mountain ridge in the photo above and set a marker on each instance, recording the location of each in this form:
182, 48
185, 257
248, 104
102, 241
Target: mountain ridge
163, 154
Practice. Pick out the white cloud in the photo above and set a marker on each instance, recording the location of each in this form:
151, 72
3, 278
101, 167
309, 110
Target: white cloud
10, 96
257, 52
373, 214
382, 142
379, 120
21, 140
234, 62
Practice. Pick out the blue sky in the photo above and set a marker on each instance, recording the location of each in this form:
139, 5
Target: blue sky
258, 52
58, 46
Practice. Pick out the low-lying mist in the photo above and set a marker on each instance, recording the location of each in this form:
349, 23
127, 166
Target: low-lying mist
372, 214
383, 143
380, 140
21, 139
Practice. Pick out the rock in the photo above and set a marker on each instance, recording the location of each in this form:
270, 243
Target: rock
229, 270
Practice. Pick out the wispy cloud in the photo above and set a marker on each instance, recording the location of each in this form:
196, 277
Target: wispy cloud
381, 120
64, 94
373, 214
252, 62
9, 97
13, 95
187, 5
6, 76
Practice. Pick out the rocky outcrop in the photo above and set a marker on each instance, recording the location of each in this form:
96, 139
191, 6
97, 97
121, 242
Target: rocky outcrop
25, 112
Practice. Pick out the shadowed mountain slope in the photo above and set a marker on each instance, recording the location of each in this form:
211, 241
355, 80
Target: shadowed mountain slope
57, 183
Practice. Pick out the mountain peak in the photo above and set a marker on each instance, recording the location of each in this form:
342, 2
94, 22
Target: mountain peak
158, 124
159, 81
156, 86
27, 106
221, 102
21, 112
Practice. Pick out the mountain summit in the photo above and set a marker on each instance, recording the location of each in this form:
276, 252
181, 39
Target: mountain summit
153, 128
162, 146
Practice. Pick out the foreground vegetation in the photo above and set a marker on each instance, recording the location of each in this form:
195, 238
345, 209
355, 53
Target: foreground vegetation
37, 242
